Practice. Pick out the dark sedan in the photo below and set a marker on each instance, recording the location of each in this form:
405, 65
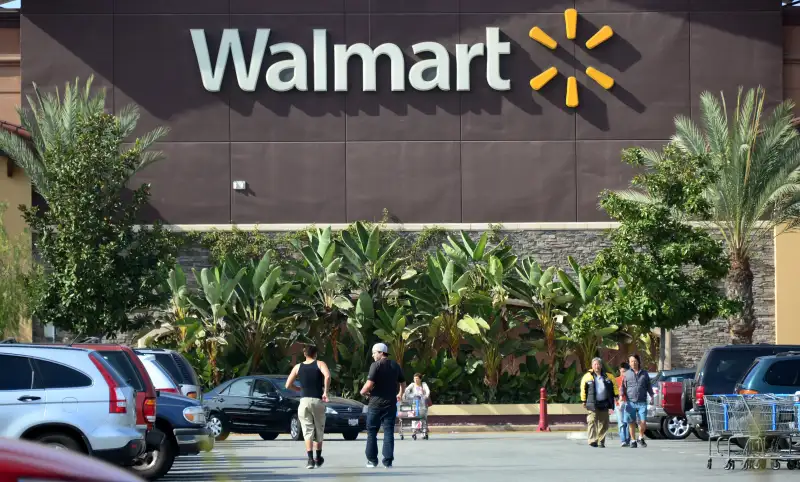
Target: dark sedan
261, 404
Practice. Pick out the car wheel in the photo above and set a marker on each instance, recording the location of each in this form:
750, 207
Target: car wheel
156, 463
294, 429
675, 428
653, 434
268, 435
216, 425
701, 433
59, 441
350, 435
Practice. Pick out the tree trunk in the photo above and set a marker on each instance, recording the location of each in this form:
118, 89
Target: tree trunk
739, 287
549, 329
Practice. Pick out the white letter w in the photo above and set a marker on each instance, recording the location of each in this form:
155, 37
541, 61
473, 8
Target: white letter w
246, 76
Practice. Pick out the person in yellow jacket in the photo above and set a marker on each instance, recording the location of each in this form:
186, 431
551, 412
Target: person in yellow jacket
598, 392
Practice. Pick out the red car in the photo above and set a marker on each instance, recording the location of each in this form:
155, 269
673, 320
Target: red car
21, 461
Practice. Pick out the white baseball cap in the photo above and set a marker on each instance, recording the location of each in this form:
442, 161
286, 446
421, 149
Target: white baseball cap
381, 347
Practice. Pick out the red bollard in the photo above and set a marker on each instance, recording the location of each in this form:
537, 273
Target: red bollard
543, 426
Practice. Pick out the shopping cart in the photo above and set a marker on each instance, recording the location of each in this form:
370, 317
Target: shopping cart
413, 413
753, 430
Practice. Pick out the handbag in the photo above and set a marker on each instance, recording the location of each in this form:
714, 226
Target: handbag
428, 402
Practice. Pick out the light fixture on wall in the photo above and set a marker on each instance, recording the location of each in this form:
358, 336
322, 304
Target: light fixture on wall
239, 185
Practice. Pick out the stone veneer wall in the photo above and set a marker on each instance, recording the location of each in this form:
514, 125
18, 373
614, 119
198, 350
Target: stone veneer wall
552, 248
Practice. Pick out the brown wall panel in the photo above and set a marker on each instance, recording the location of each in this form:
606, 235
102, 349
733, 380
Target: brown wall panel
55, 51
400, 116
280, 6
289, 182
729, 50
68, 6
791, 63
9, 42
268, 116
418, 182
648, 57
171, 6
520, 114
735, 5
600, 167
191, 185
515, 6
518, 181
156, 68
406, 6
587, 6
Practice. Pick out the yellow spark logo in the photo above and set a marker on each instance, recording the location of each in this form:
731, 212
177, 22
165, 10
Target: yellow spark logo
571, 21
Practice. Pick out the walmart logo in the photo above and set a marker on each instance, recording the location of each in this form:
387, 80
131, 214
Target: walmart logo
571, 21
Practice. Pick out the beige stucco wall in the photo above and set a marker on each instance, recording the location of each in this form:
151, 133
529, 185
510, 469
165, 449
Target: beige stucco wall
15, 190
787, 287
787, 244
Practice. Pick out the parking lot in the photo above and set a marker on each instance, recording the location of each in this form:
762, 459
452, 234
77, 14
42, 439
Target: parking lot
463, 457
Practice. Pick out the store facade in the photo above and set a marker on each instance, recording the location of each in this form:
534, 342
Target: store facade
448, 112
489, 149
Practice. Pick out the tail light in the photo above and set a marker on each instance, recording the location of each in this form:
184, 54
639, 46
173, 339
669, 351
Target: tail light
116, 399
192, 395
743, 391
150, 411
699, 393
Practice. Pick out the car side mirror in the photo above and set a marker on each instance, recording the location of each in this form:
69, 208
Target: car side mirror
158, 393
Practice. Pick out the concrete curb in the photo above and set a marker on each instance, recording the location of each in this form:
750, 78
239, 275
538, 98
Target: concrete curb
570, 429
503, 428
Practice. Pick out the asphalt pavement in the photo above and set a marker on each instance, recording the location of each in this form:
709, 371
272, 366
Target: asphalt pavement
465, 457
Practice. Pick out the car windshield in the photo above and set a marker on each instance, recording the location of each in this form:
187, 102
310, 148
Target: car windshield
749, 371
120, 361
725, 368
161, 379
675, 376
280, 382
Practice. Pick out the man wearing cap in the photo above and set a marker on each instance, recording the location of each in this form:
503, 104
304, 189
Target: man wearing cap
385, 386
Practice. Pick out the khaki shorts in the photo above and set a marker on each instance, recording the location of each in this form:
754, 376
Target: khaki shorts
312, 418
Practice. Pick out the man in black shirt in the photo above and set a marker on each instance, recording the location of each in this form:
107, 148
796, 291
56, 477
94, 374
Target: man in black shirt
385, 386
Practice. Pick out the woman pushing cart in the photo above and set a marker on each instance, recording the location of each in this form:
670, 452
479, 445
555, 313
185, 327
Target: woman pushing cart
413, 409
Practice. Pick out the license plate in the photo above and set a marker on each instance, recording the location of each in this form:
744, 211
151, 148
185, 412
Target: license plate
353, 422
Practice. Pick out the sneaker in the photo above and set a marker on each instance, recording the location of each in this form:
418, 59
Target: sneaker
310, 464
320, 461
642, 443
633, 444
387, 466
625, 444
593, 444
371, 465
602, 445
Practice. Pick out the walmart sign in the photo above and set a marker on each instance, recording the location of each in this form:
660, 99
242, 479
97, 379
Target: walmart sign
292, 73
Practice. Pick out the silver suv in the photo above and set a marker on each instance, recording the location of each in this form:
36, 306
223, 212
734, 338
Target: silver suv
178, 368
69, 398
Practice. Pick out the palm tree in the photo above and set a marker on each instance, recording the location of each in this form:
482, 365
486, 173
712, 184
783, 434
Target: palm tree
757, 159
52, 121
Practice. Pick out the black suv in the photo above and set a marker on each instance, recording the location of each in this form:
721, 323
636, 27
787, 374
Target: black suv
718, 373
